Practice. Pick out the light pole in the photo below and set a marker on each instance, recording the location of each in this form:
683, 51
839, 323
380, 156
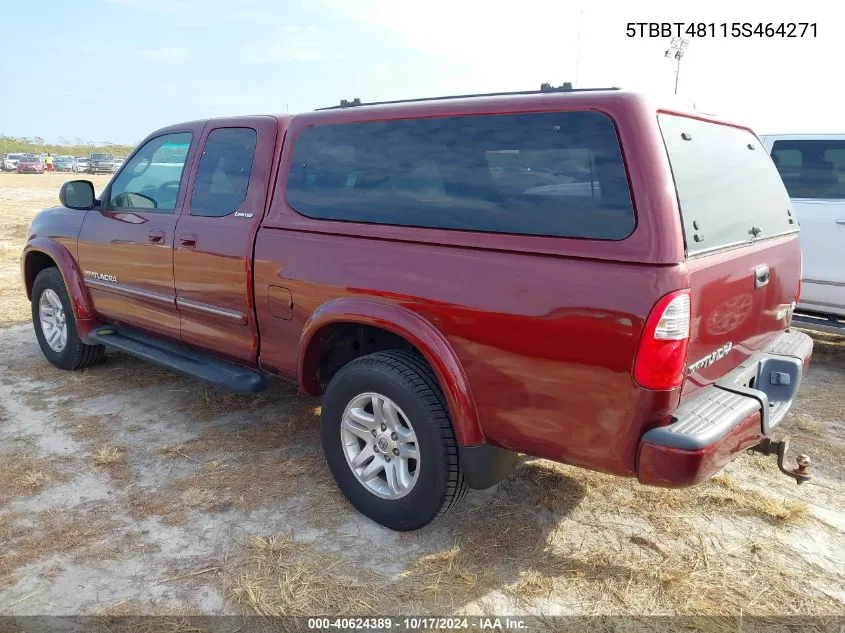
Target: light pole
676, 50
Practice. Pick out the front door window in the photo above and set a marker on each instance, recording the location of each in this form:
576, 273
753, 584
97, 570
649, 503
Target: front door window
150, 180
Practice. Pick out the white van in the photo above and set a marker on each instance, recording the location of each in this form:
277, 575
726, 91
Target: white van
812, 167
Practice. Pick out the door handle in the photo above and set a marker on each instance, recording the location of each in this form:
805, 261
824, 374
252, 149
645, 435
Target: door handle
187, 240
761, 276
840, 221
157, 236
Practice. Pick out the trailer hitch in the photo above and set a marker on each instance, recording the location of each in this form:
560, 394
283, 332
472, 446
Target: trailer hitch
770, 447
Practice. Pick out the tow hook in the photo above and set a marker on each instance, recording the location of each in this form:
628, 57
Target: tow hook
770, 447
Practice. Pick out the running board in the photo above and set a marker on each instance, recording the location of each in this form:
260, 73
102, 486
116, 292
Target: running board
220, 373
831, 325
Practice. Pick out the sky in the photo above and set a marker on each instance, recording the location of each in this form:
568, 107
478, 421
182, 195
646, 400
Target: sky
115, 70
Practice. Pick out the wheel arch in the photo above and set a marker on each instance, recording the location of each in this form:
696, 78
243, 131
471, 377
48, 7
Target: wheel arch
405, 325
41, 253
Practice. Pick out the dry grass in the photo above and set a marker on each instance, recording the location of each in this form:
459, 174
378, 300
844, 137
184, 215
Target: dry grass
109, 457
207, 404
23, 475
828, 347
709, 580
77, 530
725, 493
258, 482
281, 577
116, 374
667, 509
143, 504
585, 543
807, 424
532, 584
112, 459
174, 451
247, 440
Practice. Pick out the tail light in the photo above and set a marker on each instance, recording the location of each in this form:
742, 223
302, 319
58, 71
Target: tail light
662, 352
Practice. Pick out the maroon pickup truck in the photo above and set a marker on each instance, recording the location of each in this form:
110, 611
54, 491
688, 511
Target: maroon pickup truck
581, 276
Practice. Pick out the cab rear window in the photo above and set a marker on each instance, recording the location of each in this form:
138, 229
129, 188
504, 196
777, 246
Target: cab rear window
729, 191
552, 174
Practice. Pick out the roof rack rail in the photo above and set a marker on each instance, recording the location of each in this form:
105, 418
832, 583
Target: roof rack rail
544, 88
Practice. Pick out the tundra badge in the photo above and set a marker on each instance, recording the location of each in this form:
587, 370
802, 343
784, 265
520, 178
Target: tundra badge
711, 358
100, 276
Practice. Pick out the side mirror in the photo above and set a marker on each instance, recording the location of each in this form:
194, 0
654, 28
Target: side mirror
77, 194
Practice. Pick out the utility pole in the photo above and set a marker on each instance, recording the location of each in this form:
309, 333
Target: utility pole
676, 50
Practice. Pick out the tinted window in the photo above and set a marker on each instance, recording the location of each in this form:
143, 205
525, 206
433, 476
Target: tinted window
223, 174
728, 189
811, 169
151, 180
557, 174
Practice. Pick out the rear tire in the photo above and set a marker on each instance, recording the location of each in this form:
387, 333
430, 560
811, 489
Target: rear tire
55, 324
404, 385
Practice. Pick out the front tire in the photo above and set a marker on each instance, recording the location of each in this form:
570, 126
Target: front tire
55, 325
389, 442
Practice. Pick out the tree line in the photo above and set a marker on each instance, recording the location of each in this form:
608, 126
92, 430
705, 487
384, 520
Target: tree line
70, 147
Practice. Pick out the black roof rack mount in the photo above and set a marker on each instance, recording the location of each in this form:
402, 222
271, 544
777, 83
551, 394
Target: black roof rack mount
544, 88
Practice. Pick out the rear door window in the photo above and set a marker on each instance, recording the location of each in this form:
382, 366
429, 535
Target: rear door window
552, 174
728, 189
811, 168
224, 170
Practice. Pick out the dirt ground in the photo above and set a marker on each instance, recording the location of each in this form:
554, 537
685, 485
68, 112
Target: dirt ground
126, 489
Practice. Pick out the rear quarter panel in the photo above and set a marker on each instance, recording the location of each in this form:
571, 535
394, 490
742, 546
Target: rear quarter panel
546, 343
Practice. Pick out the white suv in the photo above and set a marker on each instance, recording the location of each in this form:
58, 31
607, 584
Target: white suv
10, 162
812, 167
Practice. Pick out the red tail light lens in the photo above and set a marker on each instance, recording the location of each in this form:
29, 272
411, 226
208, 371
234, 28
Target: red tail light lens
662, 352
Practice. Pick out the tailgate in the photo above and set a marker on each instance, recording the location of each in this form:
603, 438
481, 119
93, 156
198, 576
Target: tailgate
743, 252
735, 309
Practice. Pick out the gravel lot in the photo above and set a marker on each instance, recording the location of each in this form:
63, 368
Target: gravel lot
126, 489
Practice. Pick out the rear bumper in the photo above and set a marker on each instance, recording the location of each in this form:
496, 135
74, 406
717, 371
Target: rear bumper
735, 413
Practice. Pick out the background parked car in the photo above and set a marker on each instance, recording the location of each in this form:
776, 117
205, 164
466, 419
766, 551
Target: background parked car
80, 164
100, 163
63, 163
812, 167
10, 162
30, 164
118, 161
